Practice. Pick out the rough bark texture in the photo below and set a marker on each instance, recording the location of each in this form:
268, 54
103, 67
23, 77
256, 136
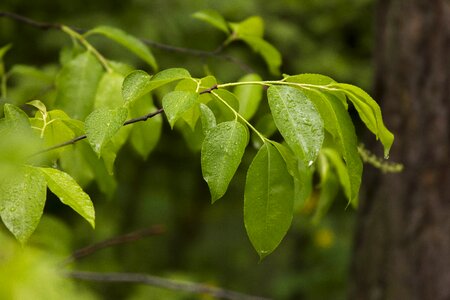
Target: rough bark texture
402, 244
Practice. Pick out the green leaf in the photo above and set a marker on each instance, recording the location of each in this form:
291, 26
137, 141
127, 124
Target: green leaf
297, 120
139, 83
342, 172
271, 55
102, 124
249, 96
328, 191
253, 26
301, 173
268, 200
338, 122
15, 118
369, 112
145, 135
222, 111
70, 193
213, 18
4, 49
76, 85
176, 103
207, 117
128, 41
221, 155
22, 200
109, 91
266, 126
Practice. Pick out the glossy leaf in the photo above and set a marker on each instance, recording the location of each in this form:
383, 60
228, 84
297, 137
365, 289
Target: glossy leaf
139, 83
70, 193
222, 151
213, 18
370, 114
22, 200
268, 200
76, 85
128, 41
297, 120
207, 117
249, 96
338, 122
176, 103
102, 124
145, 135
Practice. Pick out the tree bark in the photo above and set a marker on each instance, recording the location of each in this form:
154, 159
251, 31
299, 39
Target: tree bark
402, 241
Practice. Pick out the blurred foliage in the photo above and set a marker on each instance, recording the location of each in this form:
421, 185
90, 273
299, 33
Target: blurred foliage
203, 243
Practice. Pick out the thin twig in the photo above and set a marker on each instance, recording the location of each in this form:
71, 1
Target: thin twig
82, 137
122, 239
217, 53
190, 287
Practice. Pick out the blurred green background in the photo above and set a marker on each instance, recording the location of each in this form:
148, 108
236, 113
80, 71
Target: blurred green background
203, 242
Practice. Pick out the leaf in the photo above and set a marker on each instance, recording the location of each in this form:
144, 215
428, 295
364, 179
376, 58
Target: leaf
207, 117
70, 193
109, 91
342, 172
297, 120
213, 18
271, 55
76, 85
249, 96
222, 151
139, 83
338, 122
266, 126
145, 135
22, 200
370, 114
176, 103
15, 118
222, 111
128, 41
268, 200
328, 192
253, 26
102, 124
316, 79
301, 173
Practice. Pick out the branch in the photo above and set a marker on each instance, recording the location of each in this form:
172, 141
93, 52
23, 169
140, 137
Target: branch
122, 239
190, 287
194, 52
82, 137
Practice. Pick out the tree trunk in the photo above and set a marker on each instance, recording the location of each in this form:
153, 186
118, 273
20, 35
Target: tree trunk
402, 243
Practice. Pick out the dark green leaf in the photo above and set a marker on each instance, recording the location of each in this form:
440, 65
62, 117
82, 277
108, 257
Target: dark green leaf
70, 193
222, 152
297, 120
268, 200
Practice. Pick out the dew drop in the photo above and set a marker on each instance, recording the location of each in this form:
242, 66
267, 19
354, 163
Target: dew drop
310, 163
